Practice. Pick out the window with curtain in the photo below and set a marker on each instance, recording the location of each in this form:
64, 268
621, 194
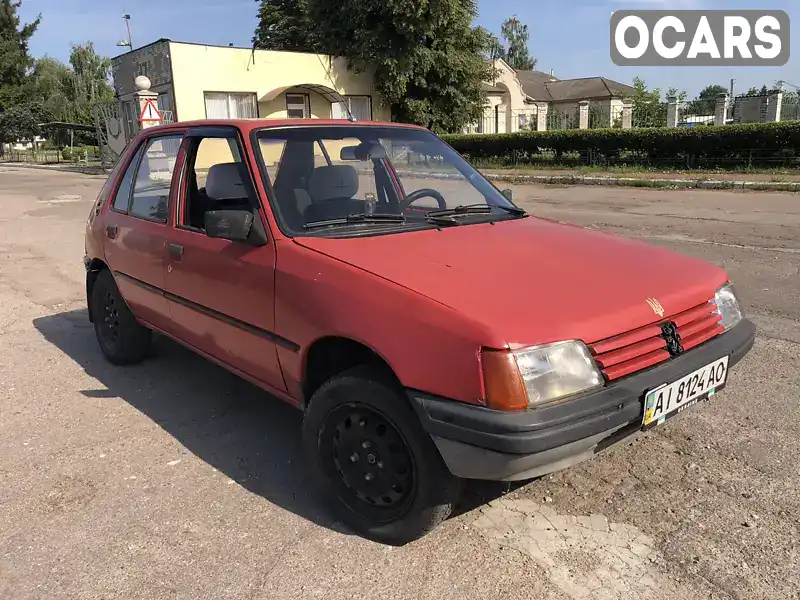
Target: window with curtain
360, 107
227, 105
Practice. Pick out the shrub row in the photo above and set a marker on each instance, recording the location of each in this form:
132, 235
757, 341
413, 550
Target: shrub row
729, 141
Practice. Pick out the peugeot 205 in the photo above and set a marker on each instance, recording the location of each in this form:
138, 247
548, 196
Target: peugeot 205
430, 330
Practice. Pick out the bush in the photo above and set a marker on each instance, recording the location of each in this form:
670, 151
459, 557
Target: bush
80, 152
751, 143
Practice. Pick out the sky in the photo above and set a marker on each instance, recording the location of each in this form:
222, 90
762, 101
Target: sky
571, 37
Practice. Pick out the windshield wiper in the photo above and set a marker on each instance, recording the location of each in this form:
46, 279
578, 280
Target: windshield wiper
474, 209
357, 218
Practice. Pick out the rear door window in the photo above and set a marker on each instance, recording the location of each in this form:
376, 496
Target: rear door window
123, 197
151, 186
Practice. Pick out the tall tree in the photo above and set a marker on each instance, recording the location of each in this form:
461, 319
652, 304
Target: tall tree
91, 74
285, 25
516, 36
649, 110
427, 60
15, 62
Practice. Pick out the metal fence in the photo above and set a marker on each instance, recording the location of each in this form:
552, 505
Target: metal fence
603, 115
563, 118
80, 155
790, 108
693, 114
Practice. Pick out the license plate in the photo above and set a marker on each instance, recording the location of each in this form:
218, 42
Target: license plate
670, 399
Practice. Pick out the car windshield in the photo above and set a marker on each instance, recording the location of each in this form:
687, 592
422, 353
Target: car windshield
348, 179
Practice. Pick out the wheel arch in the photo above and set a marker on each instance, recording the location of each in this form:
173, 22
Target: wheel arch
328, 356
93, 269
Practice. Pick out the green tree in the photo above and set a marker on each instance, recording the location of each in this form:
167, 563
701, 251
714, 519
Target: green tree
70, 91
21, 122
428, 61
53, 85
91, 73
286, 25
15, 62
494, 49
515, 34
648, 109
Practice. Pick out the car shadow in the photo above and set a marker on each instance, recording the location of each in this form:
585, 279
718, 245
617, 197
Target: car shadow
237, 428
245, 433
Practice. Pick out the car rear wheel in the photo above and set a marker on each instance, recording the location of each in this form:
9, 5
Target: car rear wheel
367, 451
122, 339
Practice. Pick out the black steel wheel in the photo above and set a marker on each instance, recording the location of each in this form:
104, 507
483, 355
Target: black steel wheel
369, 454
368, 460
109, 326
121, 338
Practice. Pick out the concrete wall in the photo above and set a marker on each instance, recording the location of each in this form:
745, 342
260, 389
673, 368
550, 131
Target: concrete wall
197, 69
152, 61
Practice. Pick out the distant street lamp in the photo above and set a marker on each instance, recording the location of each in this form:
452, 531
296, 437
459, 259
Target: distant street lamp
129, 42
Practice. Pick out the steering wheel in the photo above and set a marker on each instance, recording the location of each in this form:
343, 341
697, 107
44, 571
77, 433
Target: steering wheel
422, 193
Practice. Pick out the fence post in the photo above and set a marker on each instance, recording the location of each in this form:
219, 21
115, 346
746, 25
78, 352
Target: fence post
627, 113
672, 111
774, 104
583, 114
721, 109
501, 120
541, 116
143, 95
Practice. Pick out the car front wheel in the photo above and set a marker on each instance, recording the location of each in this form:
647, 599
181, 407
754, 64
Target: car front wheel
122, 339
367, 451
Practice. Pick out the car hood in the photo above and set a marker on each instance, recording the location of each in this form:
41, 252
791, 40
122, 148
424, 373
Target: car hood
533, 281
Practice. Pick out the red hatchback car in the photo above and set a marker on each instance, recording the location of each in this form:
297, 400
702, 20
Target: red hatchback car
429, 329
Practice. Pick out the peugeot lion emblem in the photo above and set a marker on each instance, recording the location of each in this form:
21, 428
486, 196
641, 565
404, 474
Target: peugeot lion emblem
656, 306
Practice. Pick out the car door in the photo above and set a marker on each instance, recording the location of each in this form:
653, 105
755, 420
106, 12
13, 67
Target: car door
136, 228
220, 292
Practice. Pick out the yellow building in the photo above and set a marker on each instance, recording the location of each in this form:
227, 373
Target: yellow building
196, 81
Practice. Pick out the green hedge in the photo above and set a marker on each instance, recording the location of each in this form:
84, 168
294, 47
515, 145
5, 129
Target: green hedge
759, 141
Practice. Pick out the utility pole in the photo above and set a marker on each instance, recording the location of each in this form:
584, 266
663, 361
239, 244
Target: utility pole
732, 82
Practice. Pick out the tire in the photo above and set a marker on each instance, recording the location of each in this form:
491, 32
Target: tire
123, 341
358, 425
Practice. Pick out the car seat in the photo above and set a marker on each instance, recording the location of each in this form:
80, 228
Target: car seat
332, 189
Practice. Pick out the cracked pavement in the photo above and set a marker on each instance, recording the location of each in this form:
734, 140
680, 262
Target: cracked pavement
175, 479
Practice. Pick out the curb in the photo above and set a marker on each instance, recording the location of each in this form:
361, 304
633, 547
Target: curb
64, 168
702, 184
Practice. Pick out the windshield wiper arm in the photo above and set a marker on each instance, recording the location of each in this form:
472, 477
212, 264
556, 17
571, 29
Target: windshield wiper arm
357, 218
474, 209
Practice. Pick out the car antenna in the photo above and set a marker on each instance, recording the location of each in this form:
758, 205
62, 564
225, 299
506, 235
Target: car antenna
350, 116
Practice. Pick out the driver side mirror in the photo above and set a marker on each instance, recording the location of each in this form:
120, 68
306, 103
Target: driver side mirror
233, 225
508, 194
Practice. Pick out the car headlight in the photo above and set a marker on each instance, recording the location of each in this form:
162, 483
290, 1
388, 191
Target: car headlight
728, 309
530, 377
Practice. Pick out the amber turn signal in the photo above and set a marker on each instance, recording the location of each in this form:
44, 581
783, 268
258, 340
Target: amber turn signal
503, 386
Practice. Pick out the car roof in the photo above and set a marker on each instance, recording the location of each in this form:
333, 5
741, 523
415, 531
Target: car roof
247, 125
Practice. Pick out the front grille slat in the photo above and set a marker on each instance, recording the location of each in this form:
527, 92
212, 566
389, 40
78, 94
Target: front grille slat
638, 349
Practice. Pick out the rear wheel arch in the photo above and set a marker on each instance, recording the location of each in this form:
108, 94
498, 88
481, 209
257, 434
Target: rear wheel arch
95, 266
332, 355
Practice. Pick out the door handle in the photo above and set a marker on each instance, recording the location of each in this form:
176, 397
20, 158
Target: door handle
176, 251
111, 231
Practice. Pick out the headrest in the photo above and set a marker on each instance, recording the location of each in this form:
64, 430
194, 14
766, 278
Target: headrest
224, 182
332, 182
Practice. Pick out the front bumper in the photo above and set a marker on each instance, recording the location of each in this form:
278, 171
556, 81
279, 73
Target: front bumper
480, 443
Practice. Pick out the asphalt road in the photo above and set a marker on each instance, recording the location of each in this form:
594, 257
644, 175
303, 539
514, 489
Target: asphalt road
175, 479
